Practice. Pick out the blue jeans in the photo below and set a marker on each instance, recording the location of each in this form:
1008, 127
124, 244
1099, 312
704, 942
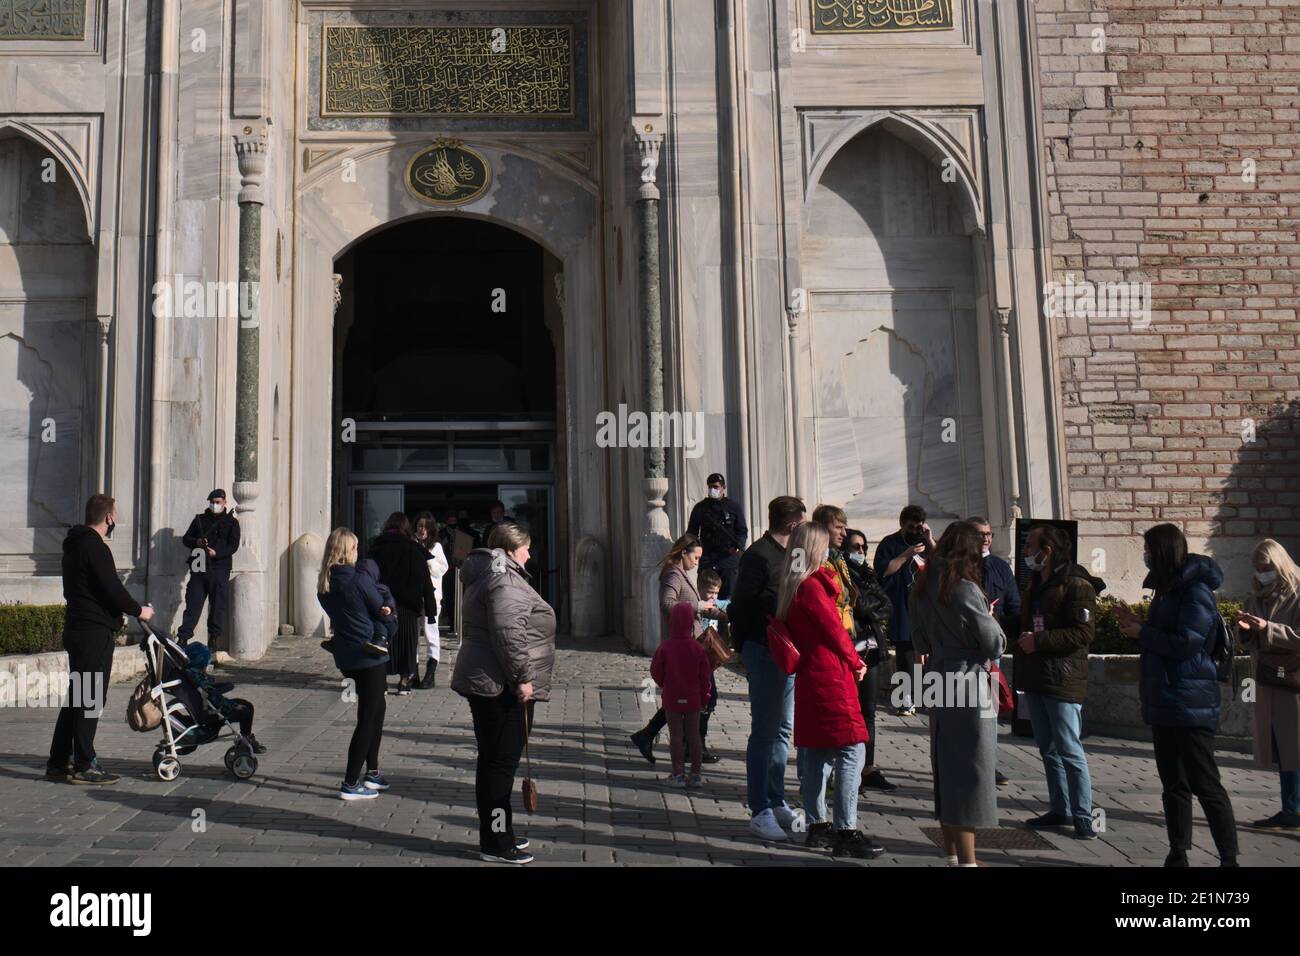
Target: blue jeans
1290, 783
771, 722
815, 767
1056, 731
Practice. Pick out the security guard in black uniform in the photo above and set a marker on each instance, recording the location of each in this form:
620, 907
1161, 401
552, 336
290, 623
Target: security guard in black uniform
213, 538
719, 524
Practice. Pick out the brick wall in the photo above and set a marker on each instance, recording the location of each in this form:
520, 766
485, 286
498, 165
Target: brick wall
1146, 146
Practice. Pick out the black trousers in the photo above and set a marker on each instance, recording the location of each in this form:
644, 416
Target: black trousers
728, 568
372, 687
868, 690
1185, 761
90, 660
660, 719
904, 661
212, 586
499, 731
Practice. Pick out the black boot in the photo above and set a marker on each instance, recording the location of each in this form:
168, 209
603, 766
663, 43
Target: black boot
429, 681
645, 742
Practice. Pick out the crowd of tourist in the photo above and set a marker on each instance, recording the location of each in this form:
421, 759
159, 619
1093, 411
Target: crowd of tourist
820, 631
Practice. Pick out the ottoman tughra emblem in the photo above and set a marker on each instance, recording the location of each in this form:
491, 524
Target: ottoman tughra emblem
448, 173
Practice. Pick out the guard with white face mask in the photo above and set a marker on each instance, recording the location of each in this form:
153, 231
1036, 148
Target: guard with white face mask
212, 539
719, 524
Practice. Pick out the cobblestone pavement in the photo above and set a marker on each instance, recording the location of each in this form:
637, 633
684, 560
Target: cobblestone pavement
601, 803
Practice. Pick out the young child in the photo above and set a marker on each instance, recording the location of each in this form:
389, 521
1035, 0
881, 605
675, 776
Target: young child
681, 667
709, 583
234, 709
386, 625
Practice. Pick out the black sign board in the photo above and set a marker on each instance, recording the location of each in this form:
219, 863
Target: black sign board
1023, 527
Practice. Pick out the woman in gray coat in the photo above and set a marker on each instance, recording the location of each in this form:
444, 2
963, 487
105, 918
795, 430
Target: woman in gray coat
506, 657
959, 638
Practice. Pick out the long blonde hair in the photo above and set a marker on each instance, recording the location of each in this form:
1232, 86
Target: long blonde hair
806, 552
1288, 575
338, 547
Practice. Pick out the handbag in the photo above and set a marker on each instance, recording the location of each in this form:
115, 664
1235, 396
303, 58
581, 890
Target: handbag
142, 711
717, 649
529, 789
784, 654
1006, 699
1279, 670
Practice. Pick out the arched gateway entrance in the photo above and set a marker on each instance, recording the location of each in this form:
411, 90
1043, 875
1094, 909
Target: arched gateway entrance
394, 329
445, 343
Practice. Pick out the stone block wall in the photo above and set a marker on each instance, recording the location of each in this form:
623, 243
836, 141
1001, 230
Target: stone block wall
1171, 130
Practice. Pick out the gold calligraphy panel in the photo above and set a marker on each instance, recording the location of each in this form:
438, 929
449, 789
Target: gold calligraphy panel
448, 71
42, 19
881, 16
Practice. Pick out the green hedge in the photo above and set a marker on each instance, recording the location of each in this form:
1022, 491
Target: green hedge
1109, 640
33, 628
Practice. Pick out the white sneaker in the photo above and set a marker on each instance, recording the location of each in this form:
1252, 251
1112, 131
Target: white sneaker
784, 816
764, 826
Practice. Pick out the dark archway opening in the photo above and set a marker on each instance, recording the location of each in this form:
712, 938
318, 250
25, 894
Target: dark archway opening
446, 384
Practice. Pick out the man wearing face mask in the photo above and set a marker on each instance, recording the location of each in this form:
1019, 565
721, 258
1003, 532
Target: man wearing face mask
899, 557
1058, 620
718, 523
212, 539
96, 601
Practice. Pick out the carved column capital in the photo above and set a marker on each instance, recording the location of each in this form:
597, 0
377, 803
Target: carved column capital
250, 148
1004, 322
105, 323
338, 292
648, 144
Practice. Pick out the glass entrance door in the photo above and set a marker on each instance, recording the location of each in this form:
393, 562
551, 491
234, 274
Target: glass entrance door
371, 506
532, 506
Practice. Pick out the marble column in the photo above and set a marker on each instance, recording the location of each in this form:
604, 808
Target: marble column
248, 637
1009, 417
656, 537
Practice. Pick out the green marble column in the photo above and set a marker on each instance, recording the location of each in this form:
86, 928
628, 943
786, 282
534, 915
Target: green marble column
251, 150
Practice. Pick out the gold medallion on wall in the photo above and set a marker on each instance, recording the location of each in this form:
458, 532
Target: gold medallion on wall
448, 173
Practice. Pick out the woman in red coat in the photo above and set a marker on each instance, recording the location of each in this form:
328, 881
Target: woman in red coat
828, 726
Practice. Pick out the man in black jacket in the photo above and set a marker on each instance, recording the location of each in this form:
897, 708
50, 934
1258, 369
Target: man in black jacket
771, 692
719, 524
96, 601
213, 538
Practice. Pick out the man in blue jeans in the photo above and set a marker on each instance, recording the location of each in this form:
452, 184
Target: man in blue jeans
1057, 621
771, 693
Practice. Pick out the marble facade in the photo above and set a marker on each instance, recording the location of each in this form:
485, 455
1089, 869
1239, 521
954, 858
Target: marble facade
849, 266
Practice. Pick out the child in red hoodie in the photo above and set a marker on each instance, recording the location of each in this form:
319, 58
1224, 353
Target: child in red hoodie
681, 667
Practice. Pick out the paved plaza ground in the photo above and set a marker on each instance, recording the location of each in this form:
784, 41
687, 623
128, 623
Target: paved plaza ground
601, 803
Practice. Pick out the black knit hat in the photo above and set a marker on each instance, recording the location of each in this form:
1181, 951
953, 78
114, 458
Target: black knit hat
217, 493
716, 479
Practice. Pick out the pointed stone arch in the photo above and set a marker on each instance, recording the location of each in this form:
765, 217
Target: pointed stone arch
946, 139
69, 141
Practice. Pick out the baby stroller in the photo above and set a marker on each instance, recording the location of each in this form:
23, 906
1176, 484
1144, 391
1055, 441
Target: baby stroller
189, 720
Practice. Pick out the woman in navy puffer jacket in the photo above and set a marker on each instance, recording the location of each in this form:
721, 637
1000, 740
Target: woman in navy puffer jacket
1179, 688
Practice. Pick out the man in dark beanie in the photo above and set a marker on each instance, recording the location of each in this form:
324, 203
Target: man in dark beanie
213, 538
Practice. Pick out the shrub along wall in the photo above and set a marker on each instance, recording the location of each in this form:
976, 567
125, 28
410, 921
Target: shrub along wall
33, 628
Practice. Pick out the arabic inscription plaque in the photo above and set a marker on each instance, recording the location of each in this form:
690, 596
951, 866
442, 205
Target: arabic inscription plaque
42, 19
881, 16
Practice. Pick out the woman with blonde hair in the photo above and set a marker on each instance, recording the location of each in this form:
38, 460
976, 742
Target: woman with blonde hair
353, 604
828, 726
1270, 629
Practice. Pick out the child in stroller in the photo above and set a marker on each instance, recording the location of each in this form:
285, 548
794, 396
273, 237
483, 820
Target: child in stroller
194, 711
234, 709
386, 624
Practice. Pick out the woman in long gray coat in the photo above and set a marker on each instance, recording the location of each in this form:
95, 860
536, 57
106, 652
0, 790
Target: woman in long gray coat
506, 657
958, 637
1270, 630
